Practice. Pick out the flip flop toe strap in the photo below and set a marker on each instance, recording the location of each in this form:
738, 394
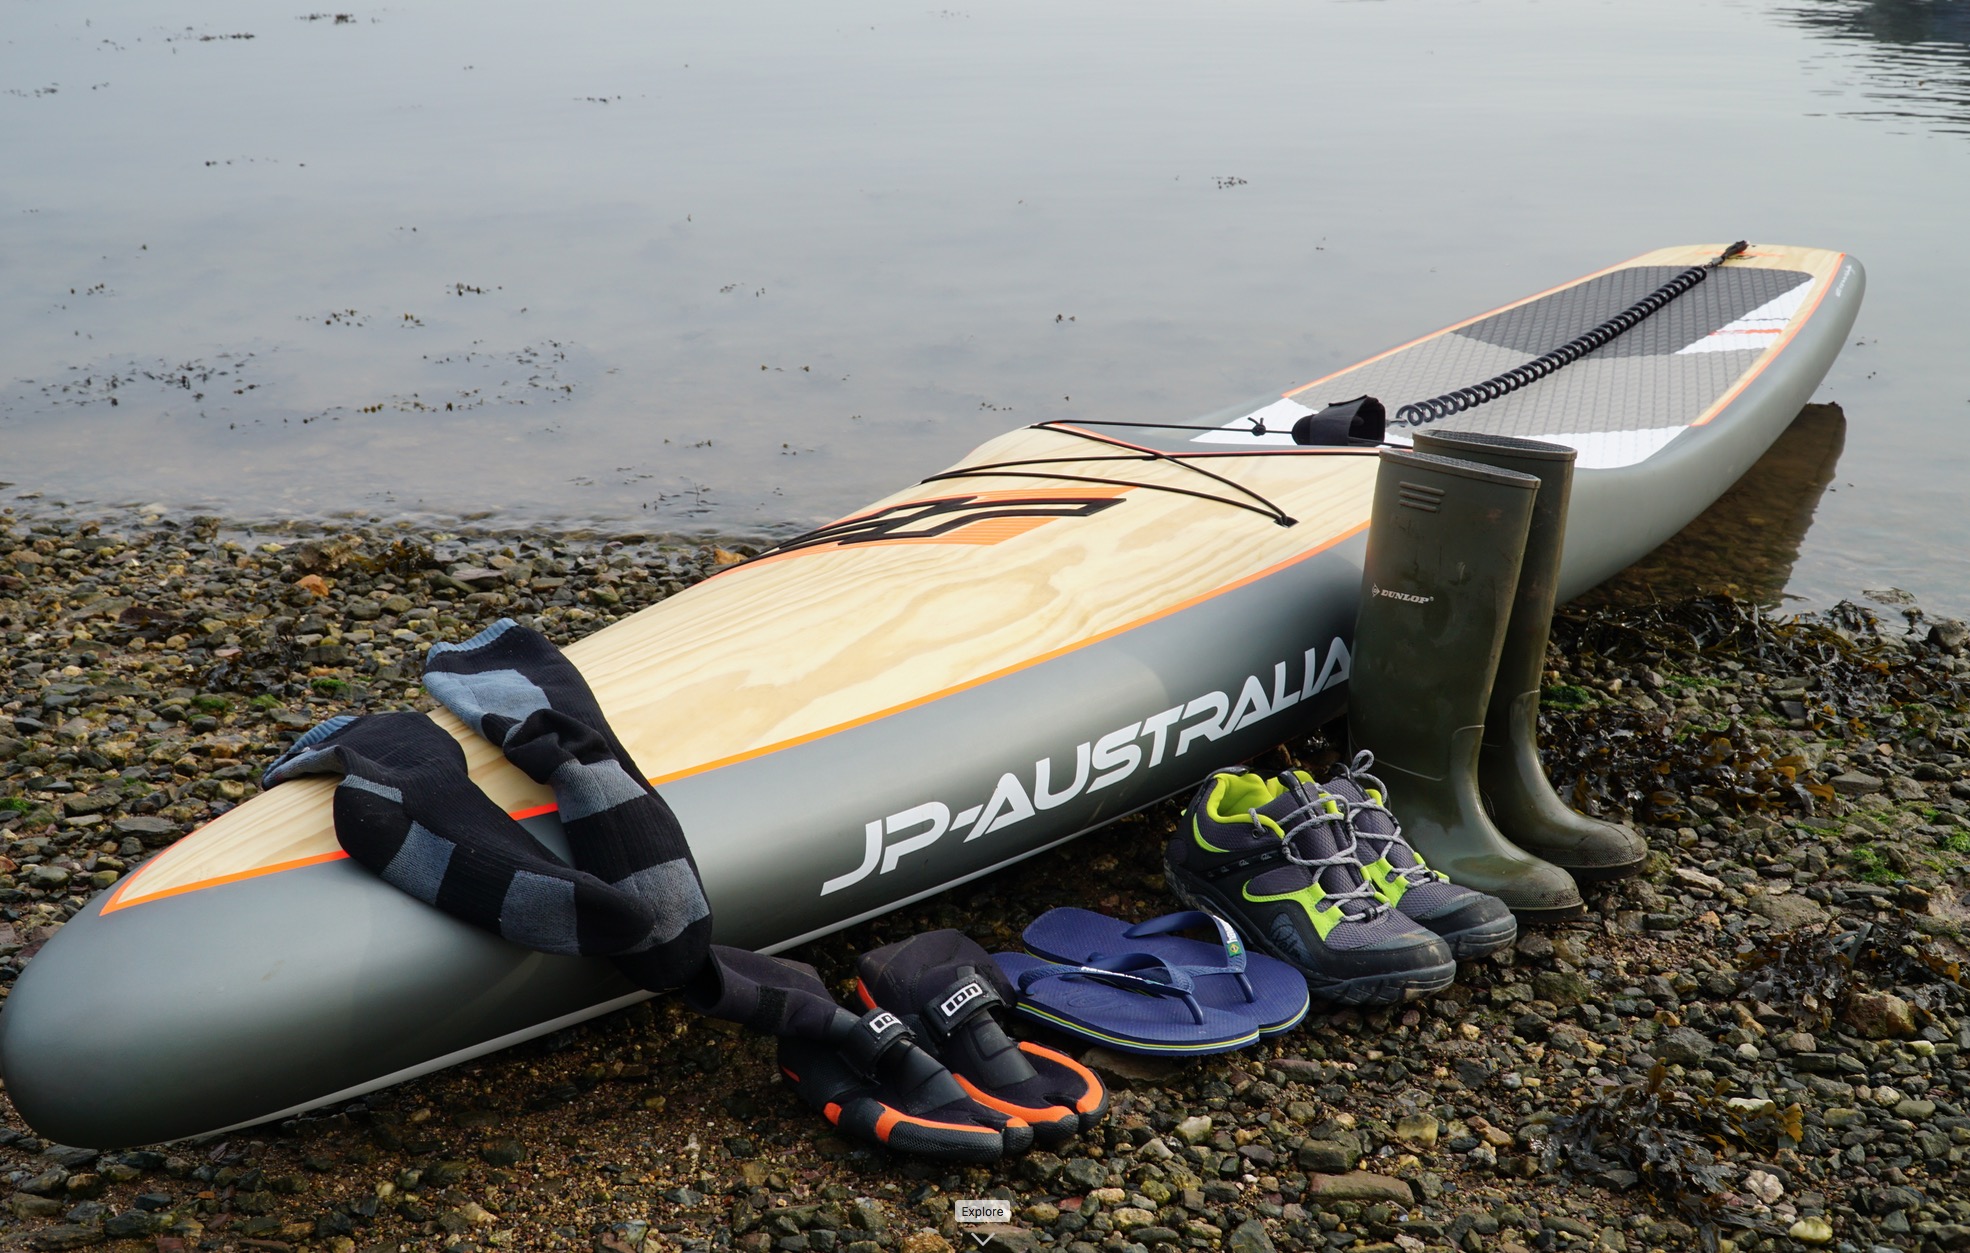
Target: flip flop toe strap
1133, 972
1228, 939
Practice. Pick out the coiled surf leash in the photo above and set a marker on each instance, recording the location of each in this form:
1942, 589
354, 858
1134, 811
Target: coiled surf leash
1464, 398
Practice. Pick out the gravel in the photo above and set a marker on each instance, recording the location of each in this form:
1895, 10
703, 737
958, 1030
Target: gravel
1759, 1040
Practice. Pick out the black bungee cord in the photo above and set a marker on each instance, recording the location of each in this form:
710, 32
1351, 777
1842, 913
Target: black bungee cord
1438, 407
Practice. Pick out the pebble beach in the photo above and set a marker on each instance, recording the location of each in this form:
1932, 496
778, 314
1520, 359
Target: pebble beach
1757, 1044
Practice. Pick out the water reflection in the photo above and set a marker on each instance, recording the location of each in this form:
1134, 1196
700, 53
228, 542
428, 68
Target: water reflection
1745, 545
1915, 53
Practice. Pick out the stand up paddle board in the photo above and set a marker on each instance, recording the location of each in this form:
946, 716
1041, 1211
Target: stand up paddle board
1074, 621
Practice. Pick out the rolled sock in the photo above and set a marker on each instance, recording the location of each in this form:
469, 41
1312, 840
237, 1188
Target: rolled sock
516, 689
407, 810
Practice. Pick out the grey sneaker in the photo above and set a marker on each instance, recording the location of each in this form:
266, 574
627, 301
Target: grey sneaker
1471, 922
1277, 860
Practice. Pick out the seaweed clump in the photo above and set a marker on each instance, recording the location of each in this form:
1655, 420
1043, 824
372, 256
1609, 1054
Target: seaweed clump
1661, 1137
1834, 675
1817, 971
344, 553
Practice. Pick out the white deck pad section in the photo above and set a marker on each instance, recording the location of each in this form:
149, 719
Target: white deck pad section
1757, 329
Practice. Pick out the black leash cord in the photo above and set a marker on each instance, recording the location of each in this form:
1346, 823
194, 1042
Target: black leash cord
1566, 354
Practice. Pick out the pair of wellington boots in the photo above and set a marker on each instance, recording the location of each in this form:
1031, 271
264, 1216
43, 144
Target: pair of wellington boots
1450, 647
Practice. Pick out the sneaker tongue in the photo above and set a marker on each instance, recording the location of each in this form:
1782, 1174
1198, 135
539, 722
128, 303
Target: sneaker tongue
1311, 837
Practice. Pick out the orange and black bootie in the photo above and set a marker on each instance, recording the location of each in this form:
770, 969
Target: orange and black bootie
874, 1083
865, 1075
945, 987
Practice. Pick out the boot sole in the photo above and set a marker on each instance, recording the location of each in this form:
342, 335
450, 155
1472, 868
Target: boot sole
1385, 989
845, 1099
1604, 874
1547, 917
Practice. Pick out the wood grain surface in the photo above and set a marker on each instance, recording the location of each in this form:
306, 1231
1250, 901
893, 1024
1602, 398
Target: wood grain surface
783, 650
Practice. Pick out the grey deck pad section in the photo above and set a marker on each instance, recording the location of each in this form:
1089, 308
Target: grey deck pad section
1550, 321
1643, 380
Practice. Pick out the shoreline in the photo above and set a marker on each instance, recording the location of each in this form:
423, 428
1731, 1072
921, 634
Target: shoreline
152, 667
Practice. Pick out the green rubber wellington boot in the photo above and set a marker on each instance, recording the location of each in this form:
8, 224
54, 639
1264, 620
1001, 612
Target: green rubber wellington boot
1515, 788
1436, 594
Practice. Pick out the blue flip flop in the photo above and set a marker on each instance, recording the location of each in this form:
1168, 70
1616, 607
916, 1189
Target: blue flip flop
1226, 975
1135, 1002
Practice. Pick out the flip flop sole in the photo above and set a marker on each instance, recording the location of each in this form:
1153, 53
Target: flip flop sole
1130, 1021
1072, 936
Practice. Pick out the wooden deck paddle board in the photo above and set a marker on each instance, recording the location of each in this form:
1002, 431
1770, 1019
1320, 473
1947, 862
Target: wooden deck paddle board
1076, 620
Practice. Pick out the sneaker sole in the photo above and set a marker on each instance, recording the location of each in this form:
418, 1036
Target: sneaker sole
1474, 942
1388, 989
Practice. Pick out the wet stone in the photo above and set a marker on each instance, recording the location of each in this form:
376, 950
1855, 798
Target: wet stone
66, 1236
1812, 1230
1085, 1173
1881, 1015
1359, 1185
28, 1205
1856, 783
1249, 1237
153, 832
1329, 1156
131, 1224
1683, 1046
1788, 912
1562, 988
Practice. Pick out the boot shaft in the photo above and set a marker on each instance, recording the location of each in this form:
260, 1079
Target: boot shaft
1522, 658
1438, 581
1510, 774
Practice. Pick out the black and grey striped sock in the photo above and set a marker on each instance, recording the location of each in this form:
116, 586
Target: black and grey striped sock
516, 689
407, 810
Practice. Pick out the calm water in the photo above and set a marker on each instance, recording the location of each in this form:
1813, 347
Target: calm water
740, 268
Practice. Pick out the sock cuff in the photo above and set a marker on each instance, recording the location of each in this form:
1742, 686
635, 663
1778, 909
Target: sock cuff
279, 769
482, 640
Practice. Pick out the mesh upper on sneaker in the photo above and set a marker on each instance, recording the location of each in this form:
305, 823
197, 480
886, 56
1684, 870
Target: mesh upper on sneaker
1427, 892
1246, 813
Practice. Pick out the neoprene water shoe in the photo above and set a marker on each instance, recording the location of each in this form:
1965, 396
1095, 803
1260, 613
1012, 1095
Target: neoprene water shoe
874, 1083
1279, 862
946, 989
